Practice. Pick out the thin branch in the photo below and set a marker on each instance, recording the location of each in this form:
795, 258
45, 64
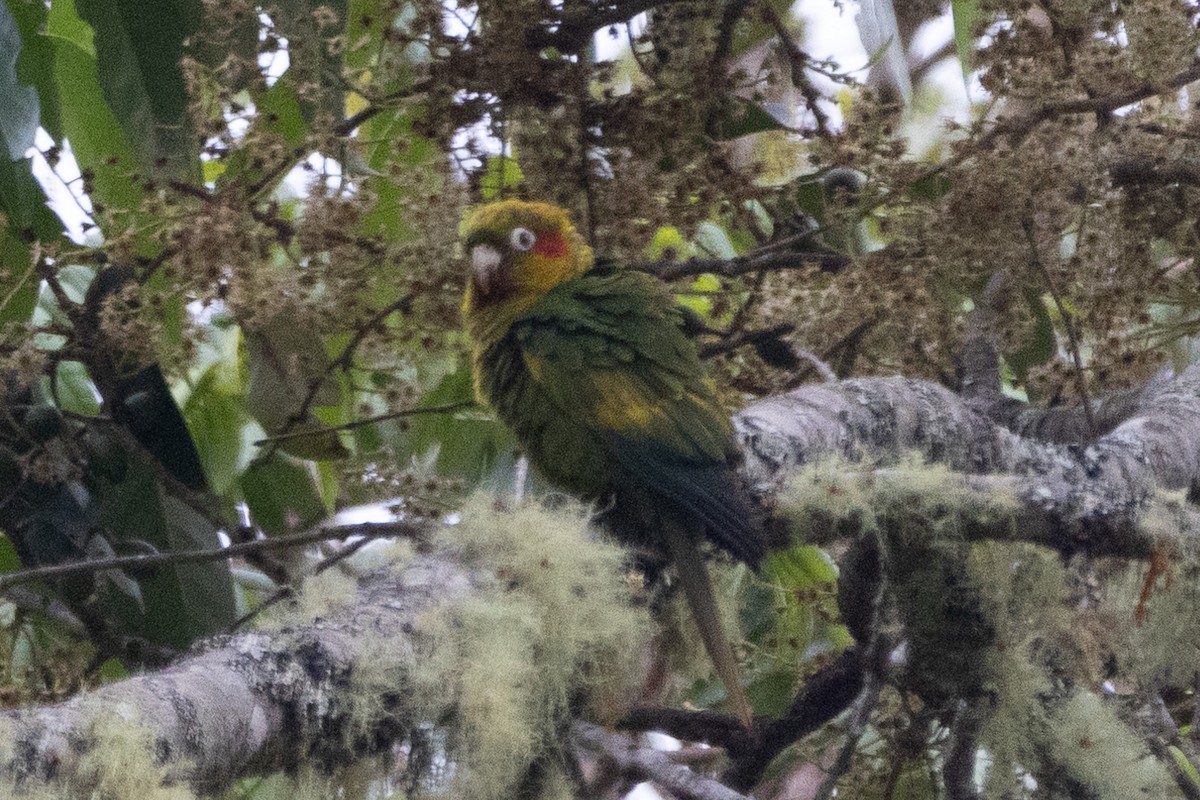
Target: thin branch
350, 123
144, 561
958, 771
344, 361
1022, 124
828, 693
359, 423
643, 763
575, 29
734, 10
752, 262
743, 338
284, 592
1068, 324
799, 61
824, 370
868, 697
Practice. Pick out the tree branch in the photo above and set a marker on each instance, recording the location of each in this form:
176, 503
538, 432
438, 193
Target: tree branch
759, 261
254, 702
1069, 498
148, 561
643, 763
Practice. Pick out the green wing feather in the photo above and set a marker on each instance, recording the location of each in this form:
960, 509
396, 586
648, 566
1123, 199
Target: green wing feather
608, 366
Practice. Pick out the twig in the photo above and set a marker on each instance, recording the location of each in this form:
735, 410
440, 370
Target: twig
872, 685
733, 12
958, 772
743, 338
358, 423
860, 716
718, 730
347, 126
752, 262
642, 763
284, 592
575, 29
827, 694
149, 560
343, 361
1022, 124
520, 476
1068, 324
800, 61
824, 370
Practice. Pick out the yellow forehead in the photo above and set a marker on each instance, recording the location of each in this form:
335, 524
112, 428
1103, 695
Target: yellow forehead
505, 215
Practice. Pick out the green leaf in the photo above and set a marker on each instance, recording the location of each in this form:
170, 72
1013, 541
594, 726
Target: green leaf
500, 173
279, 115
712, 240
215, 419
280, 112
810, 196
746, 118
113, 670
18, 102
286, 361
916, 783
387, 216
75, 390
35, 64
9, 560
966, 16
667, 242
19, 295
282, 496
183, 602
138, 47
801, 567
470, 444
23, 203
931, 186
75, 280
771, 694
96, 136
63, 23
1041, 346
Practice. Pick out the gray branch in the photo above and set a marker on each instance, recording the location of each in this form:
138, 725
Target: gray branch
1074, 497
645, 764
251, 703
261, 701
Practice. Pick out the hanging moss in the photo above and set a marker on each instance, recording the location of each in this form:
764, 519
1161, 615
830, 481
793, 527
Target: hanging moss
119, 763
548, 631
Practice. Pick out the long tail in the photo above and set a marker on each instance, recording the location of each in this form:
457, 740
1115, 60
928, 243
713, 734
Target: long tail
697, 587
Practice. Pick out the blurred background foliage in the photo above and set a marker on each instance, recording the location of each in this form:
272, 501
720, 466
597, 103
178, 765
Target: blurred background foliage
229, 285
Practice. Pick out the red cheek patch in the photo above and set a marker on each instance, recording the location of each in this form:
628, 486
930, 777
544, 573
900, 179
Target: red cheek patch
551, 245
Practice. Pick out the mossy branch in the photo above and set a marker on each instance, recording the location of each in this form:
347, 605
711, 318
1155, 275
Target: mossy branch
509, 624
1106, 498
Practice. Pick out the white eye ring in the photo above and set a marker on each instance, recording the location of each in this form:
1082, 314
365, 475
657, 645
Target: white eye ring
522, 238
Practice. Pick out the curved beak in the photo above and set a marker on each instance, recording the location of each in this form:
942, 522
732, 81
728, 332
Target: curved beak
485, 266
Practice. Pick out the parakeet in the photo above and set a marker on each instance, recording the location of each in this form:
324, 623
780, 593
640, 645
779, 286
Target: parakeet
592, 369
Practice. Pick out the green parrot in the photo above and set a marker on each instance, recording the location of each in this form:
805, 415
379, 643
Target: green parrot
593, 370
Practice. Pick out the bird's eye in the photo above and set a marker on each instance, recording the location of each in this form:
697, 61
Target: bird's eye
522, 238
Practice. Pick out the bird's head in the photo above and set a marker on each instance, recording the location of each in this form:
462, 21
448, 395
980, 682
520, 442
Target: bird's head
518, 251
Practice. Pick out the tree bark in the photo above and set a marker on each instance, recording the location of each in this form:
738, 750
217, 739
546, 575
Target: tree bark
261, 701
250, 703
